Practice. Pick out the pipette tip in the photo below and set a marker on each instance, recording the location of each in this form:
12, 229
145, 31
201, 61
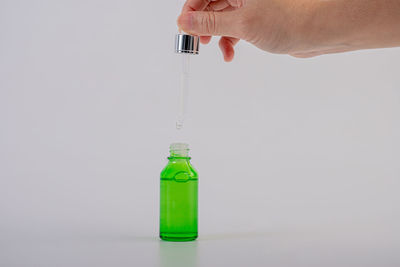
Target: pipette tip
179, 125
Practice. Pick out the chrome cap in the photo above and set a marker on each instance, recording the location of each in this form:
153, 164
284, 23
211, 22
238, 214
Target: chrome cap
185, 43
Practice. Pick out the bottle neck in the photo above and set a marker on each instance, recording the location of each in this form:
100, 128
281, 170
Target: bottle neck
179, 151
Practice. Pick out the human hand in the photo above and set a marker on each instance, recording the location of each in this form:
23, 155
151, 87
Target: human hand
268, 24
301, 28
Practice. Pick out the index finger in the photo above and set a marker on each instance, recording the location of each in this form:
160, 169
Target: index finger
195, 5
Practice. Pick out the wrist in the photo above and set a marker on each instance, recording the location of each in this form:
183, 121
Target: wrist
342, 25
310, 28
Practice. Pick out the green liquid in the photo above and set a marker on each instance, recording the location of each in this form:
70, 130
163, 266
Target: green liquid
178, 201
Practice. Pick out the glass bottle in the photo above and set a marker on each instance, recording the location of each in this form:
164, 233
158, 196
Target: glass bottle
178, 196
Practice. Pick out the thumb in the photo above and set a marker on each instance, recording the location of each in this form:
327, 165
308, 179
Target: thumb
206, 23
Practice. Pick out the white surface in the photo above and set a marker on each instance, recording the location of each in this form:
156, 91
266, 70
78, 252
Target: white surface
330, 246
298, 159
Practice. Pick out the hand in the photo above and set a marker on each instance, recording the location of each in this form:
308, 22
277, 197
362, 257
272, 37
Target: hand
268, 24
301, 28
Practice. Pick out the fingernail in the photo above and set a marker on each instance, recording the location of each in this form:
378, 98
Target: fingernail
185, 21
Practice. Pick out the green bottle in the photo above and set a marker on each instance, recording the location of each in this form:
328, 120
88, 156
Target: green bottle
178, 196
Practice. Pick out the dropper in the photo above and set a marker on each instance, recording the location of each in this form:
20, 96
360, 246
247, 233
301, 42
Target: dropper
183, 91
186, 45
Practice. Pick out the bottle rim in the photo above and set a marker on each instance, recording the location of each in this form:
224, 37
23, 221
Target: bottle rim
179, 150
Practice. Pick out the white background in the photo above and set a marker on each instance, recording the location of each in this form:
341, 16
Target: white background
298, 158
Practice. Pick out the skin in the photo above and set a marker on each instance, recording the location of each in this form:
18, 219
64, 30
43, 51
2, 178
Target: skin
301, 28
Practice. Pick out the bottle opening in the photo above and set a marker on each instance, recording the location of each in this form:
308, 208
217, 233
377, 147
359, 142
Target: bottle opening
179, 150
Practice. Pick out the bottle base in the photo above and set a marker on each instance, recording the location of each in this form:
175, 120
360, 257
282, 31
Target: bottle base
175, 237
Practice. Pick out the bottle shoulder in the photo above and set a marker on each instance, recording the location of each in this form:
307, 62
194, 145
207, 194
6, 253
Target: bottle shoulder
179, 166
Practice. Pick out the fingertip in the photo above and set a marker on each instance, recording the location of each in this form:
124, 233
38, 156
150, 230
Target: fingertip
205, 39
185, 21
228, 57
227, 49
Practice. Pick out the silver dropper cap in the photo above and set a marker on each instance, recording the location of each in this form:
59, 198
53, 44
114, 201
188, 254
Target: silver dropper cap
185, 43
